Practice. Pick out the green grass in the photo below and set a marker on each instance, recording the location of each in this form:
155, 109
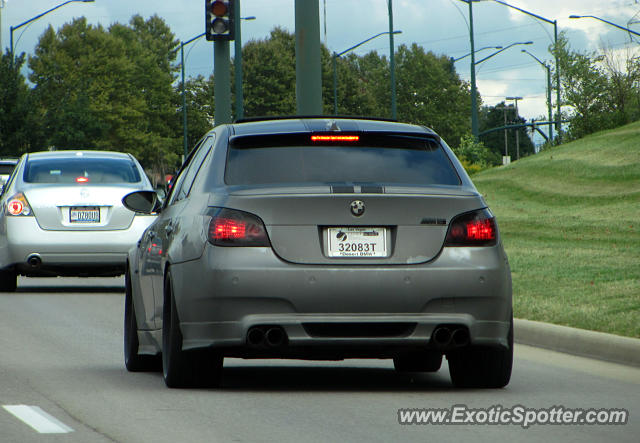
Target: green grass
570, 222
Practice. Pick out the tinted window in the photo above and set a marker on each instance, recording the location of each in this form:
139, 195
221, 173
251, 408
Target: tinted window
6, 169
377, 159
185, 180
81, 170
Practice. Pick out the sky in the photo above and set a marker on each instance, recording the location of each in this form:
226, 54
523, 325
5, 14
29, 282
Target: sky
440, 26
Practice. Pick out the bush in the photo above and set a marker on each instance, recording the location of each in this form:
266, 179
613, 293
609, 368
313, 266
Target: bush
474, 155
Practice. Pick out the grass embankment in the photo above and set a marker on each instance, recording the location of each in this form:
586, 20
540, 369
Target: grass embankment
570, 222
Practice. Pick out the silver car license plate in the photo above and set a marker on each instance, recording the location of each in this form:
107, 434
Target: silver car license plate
356, 241
84, 215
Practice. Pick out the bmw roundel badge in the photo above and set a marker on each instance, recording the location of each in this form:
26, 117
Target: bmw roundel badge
357, 208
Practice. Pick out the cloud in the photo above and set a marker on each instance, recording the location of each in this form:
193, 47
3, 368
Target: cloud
438, 25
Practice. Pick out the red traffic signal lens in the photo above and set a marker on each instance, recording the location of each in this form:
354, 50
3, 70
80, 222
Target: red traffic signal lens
219, 8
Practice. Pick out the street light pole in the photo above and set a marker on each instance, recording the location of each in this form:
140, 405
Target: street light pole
549, 105
607, 22
555, 42
335, 69
392, 63
503, 49
13, 28
237, 61
184, 94
453, 60
1, 8
474, 89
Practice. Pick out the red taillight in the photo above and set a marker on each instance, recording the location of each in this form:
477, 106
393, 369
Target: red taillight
15, 207
82, 179
18, 205
476, 228
229, 227
481, 230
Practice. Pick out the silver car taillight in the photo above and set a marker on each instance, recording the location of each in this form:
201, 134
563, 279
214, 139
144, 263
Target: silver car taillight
18, 205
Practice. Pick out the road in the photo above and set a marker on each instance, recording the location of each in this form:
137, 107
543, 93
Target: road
61, 351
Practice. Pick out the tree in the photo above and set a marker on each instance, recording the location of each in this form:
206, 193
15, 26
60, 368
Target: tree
270, 75
584, 88
494, 117
430, 93
109, 89
20, 129
200, 107
623, 74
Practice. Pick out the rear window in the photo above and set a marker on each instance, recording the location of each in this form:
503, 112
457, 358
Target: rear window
81, 170
388, 159
6, 169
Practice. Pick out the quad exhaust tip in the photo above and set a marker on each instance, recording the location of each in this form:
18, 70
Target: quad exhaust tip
449, 337
275, 336
269, 336
255, 336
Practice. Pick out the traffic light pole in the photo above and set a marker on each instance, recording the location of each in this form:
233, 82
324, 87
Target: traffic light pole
221, 82
308, 67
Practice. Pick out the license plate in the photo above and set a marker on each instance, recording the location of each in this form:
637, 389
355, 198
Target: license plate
84, 215
356, 241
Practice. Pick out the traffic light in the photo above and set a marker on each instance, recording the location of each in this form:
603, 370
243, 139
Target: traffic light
219, 16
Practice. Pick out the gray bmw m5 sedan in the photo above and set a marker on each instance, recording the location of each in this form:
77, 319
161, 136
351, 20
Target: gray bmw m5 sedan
319, 238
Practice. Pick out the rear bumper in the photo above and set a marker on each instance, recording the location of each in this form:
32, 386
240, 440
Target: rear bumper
240, 288
66, 251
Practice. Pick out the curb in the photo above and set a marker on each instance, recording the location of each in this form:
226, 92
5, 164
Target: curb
591, 344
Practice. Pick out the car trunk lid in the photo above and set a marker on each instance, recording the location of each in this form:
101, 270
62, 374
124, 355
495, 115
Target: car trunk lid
300, 221
80, 208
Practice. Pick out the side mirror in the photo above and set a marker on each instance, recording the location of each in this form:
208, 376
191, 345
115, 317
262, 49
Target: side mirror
145, 202
160, 191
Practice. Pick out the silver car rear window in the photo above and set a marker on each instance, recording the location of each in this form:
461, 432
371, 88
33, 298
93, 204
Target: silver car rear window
6, 169
371, 159
81, 170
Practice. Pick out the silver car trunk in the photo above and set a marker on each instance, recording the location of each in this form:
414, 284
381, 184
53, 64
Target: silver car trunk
415, 219
58, 207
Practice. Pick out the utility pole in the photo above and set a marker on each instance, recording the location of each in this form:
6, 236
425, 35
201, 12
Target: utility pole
517, 129
506, 143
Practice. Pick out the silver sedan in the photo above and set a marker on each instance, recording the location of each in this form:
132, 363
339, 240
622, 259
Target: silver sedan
319, 239
62, 214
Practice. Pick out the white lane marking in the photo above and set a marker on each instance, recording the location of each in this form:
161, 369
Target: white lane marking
38, 419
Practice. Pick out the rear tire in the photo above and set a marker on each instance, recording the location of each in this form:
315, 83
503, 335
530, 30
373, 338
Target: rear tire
184, 369
482, 367
423, 361
8, 281
133, 361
